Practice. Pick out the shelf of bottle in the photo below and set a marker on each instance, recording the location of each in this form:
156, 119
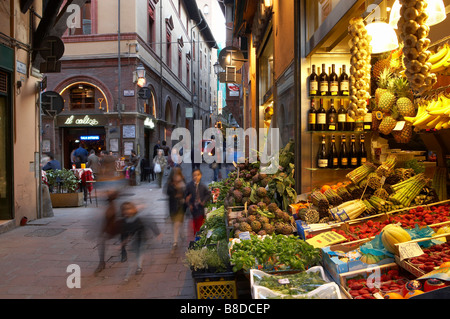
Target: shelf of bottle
329, 97
328, 169
340, 132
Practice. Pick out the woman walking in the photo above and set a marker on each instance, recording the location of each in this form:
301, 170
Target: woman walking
176, 186
160, 163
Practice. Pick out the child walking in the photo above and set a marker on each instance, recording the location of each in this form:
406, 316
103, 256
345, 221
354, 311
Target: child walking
134, 232
197, 194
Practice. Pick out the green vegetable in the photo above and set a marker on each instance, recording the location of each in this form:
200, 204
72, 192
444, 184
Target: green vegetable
292, 284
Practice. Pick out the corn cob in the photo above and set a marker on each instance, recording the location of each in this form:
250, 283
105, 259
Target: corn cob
359, 173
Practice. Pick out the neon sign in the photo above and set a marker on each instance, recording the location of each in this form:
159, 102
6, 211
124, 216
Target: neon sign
90, 138
84, 121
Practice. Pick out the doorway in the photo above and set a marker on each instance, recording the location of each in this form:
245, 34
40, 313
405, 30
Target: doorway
89, 137
6, 165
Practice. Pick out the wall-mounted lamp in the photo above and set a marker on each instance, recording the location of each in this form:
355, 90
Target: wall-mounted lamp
140, 73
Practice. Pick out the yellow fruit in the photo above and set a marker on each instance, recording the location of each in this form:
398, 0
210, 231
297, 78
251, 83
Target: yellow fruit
444, 265
393, 295
393, 234
438, 55
413, 293
442, 230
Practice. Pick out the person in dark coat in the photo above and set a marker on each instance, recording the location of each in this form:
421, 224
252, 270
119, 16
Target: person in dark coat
196, 196
52, 164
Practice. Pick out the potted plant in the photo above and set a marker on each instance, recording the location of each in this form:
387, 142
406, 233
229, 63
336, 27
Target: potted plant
63, 186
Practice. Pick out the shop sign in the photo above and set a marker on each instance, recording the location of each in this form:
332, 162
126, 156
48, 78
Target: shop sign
189, 112
82, 120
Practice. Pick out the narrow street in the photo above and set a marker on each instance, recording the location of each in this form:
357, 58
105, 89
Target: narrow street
34, 259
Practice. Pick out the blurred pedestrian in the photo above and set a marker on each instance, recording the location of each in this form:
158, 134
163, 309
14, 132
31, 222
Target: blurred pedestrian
156, 148
133, 233
110, 226
93, 162
176, 186
82, 153
196, 196
160, 163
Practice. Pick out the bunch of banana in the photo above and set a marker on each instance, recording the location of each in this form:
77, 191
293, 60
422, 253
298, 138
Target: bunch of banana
434, 114
441, 59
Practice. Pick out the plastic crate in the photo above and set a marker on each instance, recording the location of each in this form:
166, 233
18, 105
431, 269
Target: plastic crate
222, 289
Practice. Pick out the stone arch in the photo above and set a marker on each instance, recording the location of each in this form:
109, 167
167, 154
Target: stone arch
178, 116
168, 111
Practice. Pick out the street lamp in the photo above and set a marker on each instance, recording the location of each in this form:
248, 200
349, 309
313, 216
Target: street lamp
140, 73
217, 68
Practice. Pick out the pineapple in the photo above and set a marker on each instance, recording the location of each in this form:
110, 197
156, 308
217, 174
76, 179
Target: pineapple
405, 135
387, 100
383, 84
404, 103
387, 124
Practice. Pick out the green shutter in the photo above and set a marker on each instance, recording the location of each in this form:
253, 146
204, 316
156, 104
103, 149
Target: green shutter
6, 58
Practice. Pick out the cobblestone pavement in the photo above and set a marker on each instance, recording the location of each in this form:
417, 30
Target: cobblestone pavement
34, 259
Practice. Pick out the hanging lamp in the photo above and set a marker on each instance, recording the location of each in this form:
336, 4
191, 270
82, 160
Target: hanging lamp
435, 10
383, 36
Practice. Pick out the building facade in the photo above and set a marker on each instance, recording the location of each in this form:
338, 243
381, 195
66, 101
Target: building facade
108, 103
19, 133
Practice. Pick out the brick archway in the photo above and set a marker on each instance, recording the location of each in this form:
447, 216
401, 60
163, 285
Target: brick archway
63, 85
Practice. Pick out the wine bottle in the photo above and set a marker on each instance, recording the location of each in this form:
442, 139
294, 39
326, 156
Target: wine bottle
323, 82
350, 123
344, 83
333, 157
313, 82
312, 116
322, 158
333, 81
353, 153
368, 118
343, 155
342, 117
331, 117
321, 123
362, 151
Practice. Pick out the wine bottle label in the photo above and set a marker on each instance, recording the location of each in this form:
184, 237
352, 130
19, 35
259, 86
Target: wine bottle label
312, 118
344, 161
342, 117
322, 118
335, 161
323, 87
344, 85
322, 163
354, 161
313, 87
334, 87
331, 127
367, 126
363, 160
368, 117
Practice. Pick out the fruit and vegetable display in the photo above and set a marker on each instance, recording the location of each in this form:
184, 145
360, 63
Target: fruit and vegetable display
373, 189
360, 51
390, 282
273, 253
210, 251
290, 284
440, 60
414, 32
433, 113
432, 258
394, 101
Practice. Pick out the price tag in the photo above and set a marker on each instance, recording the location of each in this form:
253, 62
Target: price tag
244, 235
325, 239
409, 250
400, 125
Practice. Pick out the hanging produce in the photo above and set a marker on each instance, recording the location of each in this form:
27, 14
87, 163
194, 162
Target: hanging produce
360, 50
414, 32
